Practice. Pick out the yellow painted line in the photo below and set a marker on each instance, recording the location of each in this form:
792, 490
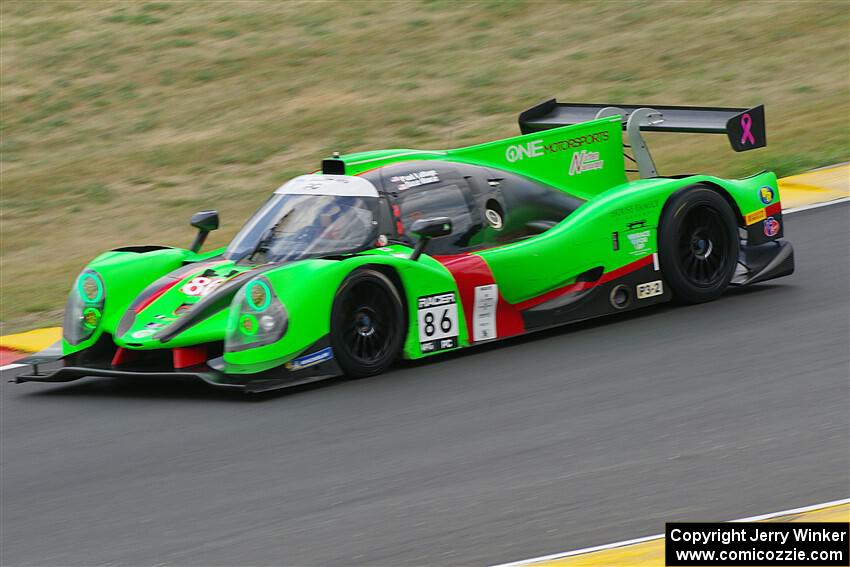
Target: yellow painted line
32, 341
650, 551
818, 186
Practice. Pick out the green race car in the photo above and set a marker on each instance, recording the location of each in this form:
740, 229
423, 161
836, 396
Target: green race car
409, 253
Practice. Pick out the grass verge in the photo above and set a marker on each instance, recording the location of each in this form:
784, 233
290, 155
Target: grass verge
120, 119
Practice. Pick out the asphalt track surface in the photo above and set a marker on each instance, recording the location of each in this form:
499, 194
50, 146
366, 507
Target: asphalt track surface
575, 437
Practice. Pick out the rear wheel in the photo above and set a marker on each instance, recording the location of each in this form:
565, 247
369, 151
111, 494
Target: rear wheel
367, 324
698, 244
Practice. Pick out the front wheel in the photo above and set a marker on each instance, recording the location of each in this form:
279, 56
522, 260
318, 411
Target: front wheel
698, 244
367, 324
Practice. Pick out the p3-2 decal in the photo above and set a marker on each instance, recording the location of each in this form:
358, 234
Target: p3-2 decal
650, 289
438, 323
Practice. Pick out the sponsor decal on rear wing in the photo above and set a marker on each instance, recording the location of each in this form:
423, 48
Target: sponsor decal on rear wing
745, 127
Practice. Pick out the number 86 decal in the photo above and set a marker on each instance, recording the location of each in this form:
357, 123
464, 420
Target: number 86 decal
445, 323
438, 321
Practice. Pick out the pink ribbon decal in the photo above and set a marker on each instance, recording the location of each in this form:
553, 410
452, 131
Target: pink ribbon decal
746, 122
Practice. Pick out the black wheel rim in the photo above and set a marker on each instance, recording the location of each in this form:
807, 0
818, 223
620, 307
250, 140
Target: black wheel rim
368, 325
703, 246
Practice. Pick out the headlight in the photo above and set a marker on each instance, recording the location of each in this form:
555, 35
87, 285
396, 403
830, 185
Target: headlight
84, 309
256, 317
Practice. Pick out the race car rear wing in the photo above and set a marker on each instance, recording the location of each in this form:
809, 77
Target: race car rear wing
745, 127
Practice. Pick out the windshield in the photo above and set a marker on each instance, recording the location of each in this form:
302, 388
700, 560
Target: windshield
297, 226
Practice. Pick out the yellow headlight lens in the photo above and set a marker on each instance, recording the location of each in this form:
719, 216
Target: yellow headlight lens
248, 324
91, 317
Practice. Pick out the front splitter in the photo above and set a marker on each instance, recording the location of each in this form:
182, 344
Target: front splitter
271, 380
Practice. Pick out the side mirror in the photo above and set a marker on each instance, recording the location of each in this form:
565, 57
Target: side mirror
205, 222
426, 229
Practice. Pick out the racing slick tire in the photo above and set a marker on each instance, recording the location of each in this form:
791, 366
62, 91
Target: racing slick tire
697, 244
367, 324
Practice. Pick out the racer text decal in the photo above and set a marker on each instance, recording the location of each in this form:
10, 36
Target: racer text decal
437, 316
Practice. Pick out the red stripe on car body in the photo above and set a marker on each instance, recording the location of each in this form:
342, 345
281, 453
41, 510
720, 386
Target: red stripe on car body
773, 209
627, 269
471, 271
581, 286
156, 295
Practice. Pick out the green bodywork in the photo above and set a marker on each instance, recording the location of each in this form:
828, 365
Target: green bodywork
523, 269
